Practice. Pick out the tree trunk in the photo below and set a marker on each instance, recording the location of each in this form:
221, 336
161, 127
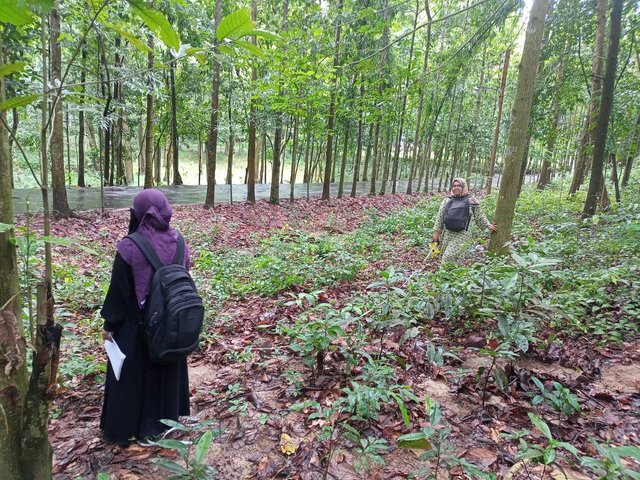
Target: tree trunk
274, 197
367, 155
81, 153
592, 110
606, 102
505, 209
13, 378
331, 115
251, 149
396, 156
177, 179
343, 166
374, 159
212, 140
634, 148
496, 133
356, 165
552, 135
294, 159
148, 150
60, 205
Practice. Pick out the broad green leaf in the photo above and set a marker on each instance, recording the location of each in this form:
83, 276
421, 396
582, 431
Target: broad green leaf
102, 476
414, 440
265, 34
174, 424
170, 466
548, 456
202, 447
568, 447
17, 102
130, 37
5, 227
157, 23
540, 425
403, 409
235, 25
43, 5
225, 49
12, 67
172, 444
628, 451
15, 12
250, 47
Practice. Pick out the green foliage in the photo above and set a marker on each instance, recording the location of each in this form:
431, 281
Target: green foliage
542, 455
560, 398
192, 453
610, 464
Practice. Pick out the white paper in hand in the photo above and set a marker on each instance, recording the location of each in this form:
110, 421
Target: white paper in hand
116, 357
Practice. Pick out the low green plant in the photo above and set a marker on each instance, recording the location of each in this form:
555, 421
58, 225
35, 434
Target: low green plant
191, 453
610, 464
560, 398
369, 450
540, 455
433, 440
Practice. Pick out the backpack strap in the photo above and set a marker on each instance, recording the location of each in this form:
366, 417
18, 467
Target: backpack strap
179, 257
146, 249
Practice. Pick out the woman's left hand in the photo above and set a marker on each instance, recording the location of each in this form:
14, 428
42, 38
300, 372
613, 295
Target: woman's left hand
493, 227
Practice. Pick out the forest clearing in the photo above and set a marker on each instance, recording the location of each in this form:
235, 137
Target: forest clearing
397, 239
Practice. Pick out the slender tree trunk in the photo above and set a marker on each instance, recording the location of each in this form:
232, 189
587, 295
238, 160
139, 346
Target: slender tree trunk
148, 151
251, 151
356, 165
331, 115
396, 156
476, 115
294, 159
13, 377
592, 110
81, 135
545, 173
60, 205
520, 116
634, 148
177, 178
606, 102
367, 155
496, 133
274, 197
343, 166
212, 140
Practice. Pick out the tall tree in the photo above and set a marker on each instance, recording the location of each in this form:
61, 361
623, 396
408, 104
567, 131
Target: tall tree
212, 139
177, 178
592, 111
274, 196
326, 184
596, 181
60, 205
496, 133
505, 209
251, 149
148, 142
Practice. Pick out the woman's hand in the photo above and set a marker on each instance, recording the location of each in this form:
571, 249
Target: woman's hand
107, 335
493, 227
436, 237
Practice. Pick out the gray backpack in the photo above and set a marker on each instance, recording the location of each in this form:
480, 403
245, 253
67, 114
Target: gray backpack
457, 215
173, 311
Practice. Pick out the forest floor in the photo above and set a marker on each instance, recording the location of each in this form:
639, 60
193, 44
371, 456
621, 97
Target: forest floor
254, 266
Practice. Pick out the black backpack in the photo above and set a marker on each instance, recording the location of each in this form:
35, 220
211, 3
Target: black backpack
174, 311
457, 216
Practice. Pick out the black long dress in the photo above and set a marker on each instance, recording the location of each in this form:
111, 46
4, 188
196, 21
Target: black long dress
146, 392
